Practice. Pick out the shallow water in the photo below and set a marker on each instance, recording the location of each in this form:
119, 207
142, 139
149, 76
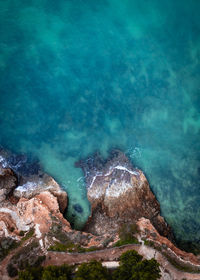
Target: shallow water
81, 76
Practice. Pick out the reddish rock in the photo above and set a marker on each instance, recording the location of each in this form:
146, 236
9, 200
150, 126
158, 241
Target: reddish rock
148, 231
33, 185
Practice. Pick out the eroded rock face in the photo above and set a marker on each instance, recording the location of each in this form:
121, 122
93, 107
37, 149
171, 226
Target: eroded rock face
28, 201
30, 213
34, 185
118, 194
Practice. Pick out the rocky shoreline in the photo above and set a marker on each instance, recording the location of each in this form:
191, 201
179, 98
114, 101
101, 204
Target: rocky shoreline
31, 215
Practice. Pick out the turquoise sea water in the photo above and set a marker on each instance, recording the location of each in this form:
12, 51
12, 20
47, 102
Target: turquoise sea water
83, 76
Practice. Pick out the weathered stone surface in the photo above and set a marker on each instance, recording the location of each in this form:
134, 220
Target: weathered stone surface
118, 194
27, 213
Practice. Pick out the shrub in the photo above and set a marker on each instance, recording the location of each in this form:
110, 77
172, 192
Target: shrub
6, 245
92, 271
126, 231
126, 235
132, 240
12, 271
71, 247
149, 243
21, 233
32, 273
28, 235
59, 247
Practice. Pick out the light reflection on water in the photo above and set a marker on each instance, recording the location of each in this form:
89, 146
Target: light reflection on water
83, 76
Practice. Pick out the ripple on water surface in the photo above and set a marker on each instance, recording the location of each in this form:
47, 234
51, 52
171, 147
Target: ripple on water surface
83, 76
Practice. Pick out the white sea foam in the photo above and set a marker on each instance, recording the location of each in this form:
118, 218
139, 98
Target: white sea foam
120, 167
29, 186
3, 162
111, 169
1, 159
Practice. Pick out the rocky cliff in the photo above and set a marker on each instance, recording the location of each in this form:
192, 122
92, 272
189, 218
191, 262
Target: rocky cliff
32, 206
119, 193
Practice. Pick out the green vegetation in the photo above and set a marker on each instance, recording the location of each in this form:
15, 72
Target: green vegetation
8, 244
24, 251
28, 235
133, 267
60, 247
149, 243
126, 235
63, 272
132, 240
56, 230
92, 271
71, 247
27, 256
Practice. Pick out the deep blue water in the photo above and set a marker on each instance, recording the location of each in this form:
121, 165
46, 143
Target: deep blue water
81, 76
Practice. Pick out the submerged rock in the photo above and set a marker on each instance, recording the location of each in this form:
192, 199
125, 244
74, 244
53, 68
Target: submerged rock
8, 182
119, 193
78, 208
19, 163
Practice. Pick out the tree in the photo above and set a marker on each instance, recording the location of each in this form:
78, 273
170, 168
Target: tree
53, 272
146, 270
31, 273
92, 271
127, 261
132, 267
25, 275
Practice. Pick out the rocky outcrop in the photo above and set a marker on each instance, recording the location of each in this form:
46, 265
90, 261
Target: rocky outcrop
36, 202
28, 201
161, 243
33, 185
35, 212
119, 193
30, 180
32, 206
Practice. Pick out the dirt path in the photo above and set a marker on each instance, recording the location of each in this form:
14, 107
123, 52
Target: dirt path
109, 255
169, 272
